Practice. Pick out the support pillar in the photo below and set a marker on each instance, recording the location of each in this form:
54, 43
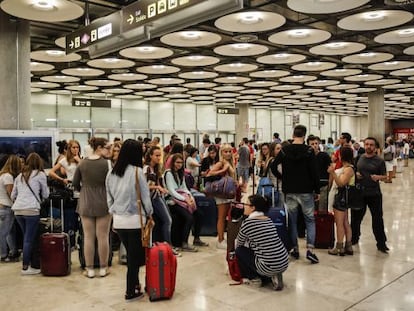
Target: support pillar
15, 74
242, 123
376, 124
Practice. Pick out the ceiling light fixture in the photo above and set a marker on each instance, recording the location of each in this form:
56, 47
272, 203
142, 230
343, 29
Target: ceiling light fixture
335, 45
369, 54
55, 53
406, 32
391, 63
249, 18
373, 16
281, 55
158, 67
299, 33
190, 35
195, 58
241, 46
313, 64
145, 49
236, 65
44, 5
111, 60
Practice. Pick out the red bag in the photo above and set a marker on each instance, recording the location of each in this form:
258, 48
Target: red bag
184, 204
161, 270
234, 269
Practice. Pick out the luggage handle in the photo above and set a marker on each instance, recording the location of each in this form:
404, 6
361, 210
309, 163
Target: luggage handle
62, 217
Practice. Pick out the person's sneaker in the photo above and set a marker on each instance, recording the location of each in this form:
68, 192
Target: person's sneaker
5, 259
252, 282
134, 296
222, 244
188, 248
90, 273
295, 254
176, 251
311, 257
103, 272
198, 242
30, 271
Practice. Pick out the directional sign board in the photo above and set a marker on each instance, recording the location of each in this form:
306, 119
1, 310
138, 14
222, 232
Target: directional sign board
145, 11
100, 29
86, 102
228, 110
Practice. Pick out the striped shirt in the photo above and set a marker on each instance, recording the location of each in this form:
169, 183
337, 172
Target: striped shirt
261, 236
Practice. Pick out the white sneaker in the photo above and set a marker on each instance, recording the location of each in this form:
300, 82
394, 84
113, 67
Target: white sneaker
30, 271
253, 282
90, 273
222, 244
103, 272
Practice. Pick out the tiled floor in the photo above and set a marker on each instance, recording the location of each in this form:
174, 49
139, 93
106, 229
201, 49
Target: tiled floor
369, 280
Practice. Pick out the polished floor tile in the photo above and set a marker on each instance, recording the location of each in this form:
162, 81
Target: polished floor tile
367, 281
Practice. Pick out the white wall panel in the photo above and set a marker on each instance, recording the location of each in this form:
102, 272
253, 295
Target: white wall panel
206, 118
161, 115
278, 122
226, 122
185, 117
263, 125
135, 114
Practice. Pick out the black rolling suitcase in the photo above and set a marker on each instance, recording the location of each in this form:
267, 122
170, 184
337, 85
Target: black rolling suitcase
207, 208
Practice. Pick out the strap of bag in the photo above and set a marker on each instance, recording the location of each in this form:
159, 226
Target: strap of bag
31, 190
139, 203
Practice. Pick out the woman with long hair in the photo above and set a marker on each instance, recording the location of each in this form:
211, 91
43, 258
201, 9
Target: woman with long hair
177, 147
224, 167
175, 183
8, 173
92, 208
341, 177
116, 148
153, 173
263, 159
122, 202
29, 189
69, 163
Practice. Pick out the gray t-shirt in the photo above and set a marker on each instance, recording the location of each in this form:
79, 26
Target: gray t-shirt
367, 167
244, 156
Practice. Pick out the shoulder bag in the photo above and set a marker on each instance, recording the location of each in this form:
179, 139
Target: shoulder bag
349, 197
224, 188
146, 230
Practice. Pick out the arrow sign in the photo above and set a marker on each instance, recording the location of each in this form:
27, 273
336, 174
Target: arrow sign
130, 20
71, 44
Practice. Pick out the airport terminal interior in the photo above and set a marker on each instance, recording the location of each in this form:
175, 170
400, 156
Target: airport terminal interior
231, 69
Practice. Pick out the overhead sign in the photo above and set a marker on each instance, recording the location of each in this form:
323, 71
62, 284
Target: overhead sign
228, 110
100, 29
87, 102
145, 11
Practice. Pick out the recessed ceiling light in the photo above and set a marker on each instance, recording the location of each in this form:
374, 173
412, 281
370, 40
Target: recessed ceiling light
83, 69
406, 32
369, 54
190, 35
55, 53
391, 63
111, 60
44, 5
241, 46
249, 18
198, 72
335, 45
297, 77
299, 33
195, 57
340, 70
313, 64
34, 63
373, 16
158, 66
281, 55
236, 65
145, 49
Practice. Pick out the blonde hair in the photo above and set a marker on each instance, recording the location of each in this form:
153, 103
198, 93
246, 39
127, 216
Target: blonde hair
69, 155
223, 147
13, 166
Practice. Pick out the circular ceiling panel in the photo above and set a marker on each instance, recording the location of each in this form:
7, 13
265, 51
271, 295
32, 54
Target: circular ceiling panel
374, 20
35, 66
262, 83
56, 56
302, 36
409, 50
226, 94
60, 79
254, 91
45, 85
383, 82
393, 65
190, 38
277, 94
250, 21
127, 76
195, 60
297, 78
117, 91
200, 85
177, 95
146, 52
102, 82
285, 87
83, 72
362, 90
321, 83
314, 66
324, 6
44, 11
281, 58
342, 87
363, 77
63, 92
403, 72
181, 101
149, 93
35, 90
198, 75
367, 58
249, 97
166, 81
241, 49
229, 88
337, 48
158, 69
236, 67
129, 96
173, 89
110, 63
399, 86
202, 92
269, 73
399, 36
81, 88
341, 72
140, 86
307, 91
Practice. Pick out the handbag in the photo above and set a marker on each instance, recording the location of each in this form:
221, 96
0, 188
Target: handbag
388, 156
184, 204
146, 230
224, 188
349, 197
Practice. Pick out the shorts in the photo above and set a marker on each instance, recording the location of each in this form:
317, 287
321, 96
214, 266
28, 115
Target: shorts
243, 172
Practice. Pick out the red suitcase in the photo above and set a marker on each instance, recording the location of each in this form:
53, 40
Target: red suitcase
161, 269
55, 250
325, 235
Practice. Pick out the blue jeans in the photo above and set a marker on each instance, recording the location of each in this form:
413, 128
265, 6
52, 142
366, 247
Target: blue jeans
29, 226
307, 202
162, 212
7, 237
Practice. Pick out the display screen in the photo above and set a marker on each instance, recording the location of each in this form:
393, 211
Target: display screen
23, 146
